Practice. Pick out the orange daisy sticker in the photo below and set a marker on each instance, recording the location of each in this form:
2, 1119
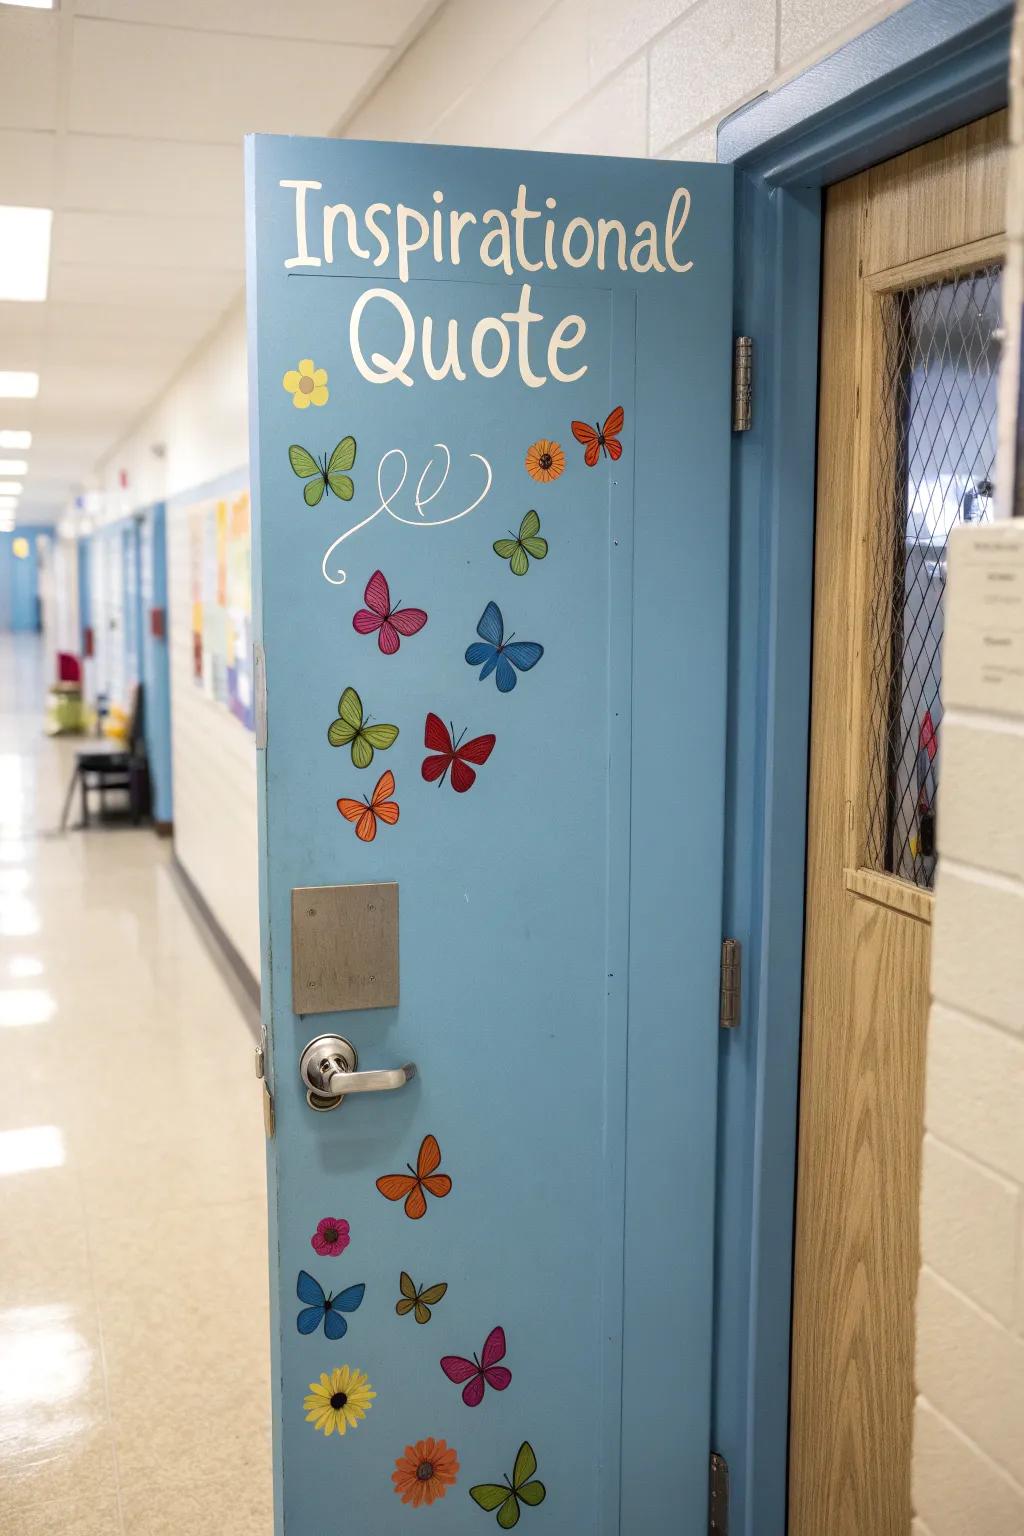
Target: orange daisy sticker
544, 461
425, 1472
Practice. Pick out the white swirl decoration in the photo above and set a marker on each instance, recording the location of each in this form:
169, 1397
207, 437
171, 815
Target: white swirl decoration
387, 499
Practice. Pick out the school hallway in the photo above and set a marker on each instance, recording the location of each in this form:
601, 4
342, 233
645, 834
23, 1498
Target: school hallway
134, 1374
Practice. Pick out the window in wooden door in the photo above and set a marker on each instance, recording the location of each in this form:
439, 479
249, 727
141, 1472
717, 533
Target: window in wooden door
936, 443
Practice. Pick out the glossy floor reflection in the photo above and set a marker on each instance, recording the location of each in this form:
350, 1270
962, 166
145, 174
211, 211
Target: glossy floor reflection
134, 1372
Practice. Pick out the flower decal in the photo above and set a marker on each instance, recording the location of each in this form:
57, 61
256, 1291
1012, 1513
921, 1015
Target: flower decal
331, 1237
544, 461
424, 1472
306, 384
338, 1401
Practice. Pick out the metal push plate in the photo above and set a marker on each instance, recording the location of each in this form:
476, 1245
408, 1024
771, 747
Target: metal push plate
344, 947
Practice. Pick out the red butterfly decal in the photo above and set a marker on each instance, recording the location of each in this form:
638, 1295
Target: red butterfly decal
450, 754
391, 623
596, 437
477, 1373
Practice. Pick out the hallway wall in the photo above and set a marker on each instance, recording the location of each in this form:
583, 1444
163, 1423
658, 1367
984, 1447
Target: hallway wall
968, 1446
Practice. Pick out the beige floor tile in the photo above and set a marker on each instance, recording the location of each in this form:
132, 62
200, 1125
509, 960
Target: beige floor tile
200, 1509
134, 1358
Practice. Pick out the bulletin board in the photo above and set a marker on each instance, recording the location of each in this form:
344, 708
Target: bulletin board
219, 567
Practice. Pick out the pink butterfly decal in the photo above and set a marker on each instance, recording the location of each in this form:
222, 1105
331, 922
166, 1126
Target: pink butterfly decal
390, 623
476, 1372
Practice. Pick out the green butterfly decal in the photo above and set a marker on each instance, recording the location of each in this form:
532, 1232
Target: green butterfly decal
329, 475
518, 551
505, 1497
350, 727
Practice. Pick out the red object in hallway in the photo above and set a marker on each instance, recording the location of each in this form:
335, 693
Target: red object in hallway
88, 642
69, 668
158, 623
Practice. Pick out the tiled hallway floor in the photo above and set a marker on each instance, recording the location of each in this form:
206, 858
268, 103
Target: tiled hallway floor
134, 1397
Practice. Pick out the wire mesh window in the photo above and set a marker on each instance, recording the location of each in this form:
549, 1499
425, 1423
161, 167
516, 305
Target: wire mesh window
935, 452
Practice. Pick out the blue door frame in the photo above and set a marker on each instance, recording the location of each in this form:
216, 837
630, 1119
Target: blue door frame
925, 70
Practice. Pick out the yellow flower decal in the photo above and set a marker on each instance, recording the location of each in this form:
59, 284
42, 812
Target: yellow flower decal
306, 384
338, 1401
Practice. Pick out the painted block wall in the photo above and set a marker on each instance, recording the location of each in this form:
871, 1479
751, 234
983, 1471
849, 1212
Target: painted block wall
19, 582
213, 766
969, 1418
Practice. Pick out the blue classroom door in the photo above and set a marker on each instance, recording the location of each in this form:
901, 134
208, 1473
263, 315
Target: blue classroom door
490, 400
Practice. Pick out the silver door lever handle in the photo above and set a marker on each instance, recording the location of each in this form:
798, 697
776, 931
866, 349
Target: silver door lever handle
328, 1065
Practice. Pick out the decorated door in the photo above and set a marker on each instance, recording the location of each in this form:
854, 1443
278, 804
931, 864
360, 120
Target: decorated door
490, 400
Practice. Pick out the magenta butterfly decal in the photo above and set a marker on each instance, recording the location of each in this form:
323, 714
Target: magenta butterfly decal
477, 1373
390, 623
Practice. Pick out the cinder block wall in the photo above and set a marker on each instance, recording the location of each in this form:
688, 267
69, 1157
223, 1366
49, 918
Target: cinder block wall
969, 1425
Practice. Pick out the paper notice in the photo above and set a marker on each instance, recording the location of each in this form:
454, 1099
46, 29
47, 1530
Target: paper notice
983, 652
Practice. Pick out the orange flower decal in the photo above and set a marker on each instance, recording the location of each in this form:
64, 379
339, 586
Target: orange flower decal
544, 461
425, 1472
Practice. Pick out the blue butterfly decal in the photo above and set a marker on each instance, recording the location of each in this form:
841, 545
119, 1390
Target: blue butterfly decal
498, 655
325, 1308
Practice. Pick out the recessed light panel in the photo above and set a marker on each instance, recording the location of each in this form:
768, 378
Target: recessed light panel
32, 5
18, 386
13, 438
11, 487
13, 466
24, 252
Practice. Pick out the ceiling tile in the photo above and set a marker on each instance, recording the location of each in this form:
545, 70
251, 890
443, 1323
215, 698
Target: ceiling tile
158, 82
81, 283
28, 68
152, 176
339, 21
132, 240
27, 168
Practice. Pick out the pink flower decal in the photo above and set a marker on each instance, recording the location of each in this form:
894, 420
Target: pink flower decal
331, 1237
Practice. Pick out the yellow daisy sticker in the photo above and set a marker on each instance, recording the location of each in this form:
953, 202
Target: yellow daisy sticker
338, 1401
306, 384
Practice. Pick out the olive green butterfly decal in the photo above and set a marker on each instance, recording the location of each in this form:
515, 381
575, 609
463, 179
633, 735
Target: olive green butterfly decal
327, 474
517, 551
351, 729
506, 1497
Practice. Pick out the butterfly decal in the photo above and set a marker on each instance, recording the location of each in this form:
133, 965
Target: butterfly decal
390, 623
480, 1372
418, 1301
328, 474
506, 1497
456, 755
597, 438
517, 551
366, 813
322, 1307
410, 1187
350, 728
493, 653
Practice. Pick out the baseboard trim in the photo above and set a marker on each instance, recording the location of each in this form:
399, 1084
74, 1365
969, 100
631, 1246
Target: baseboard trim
232, 966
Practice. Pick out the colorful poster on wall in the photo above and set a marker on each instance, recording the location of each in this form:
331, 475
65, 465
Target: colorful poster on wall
219, 565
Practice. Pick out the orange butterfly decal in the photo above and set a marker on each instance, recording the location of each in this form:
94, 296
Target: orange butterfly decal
410, 1186
595, 438
366, 813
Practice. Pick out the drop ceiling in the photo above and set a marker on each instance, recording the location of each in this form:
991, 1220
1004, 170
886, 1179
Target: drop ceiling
127, 117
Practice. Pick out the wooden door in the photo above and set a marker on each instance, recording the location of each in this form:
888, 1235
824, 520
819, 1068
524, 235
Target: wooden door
912, 269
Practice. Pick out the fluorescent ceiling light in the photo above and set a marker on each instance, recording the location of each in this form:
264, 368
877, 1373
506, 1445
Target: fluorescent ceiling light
18, 386
10, 487
11, 438
25, 252
8, 503
32, 5
13, 466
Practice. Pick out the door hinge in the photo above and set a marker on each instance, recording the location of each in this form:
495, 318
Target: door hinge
742, 382
718, 1496
729, 992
